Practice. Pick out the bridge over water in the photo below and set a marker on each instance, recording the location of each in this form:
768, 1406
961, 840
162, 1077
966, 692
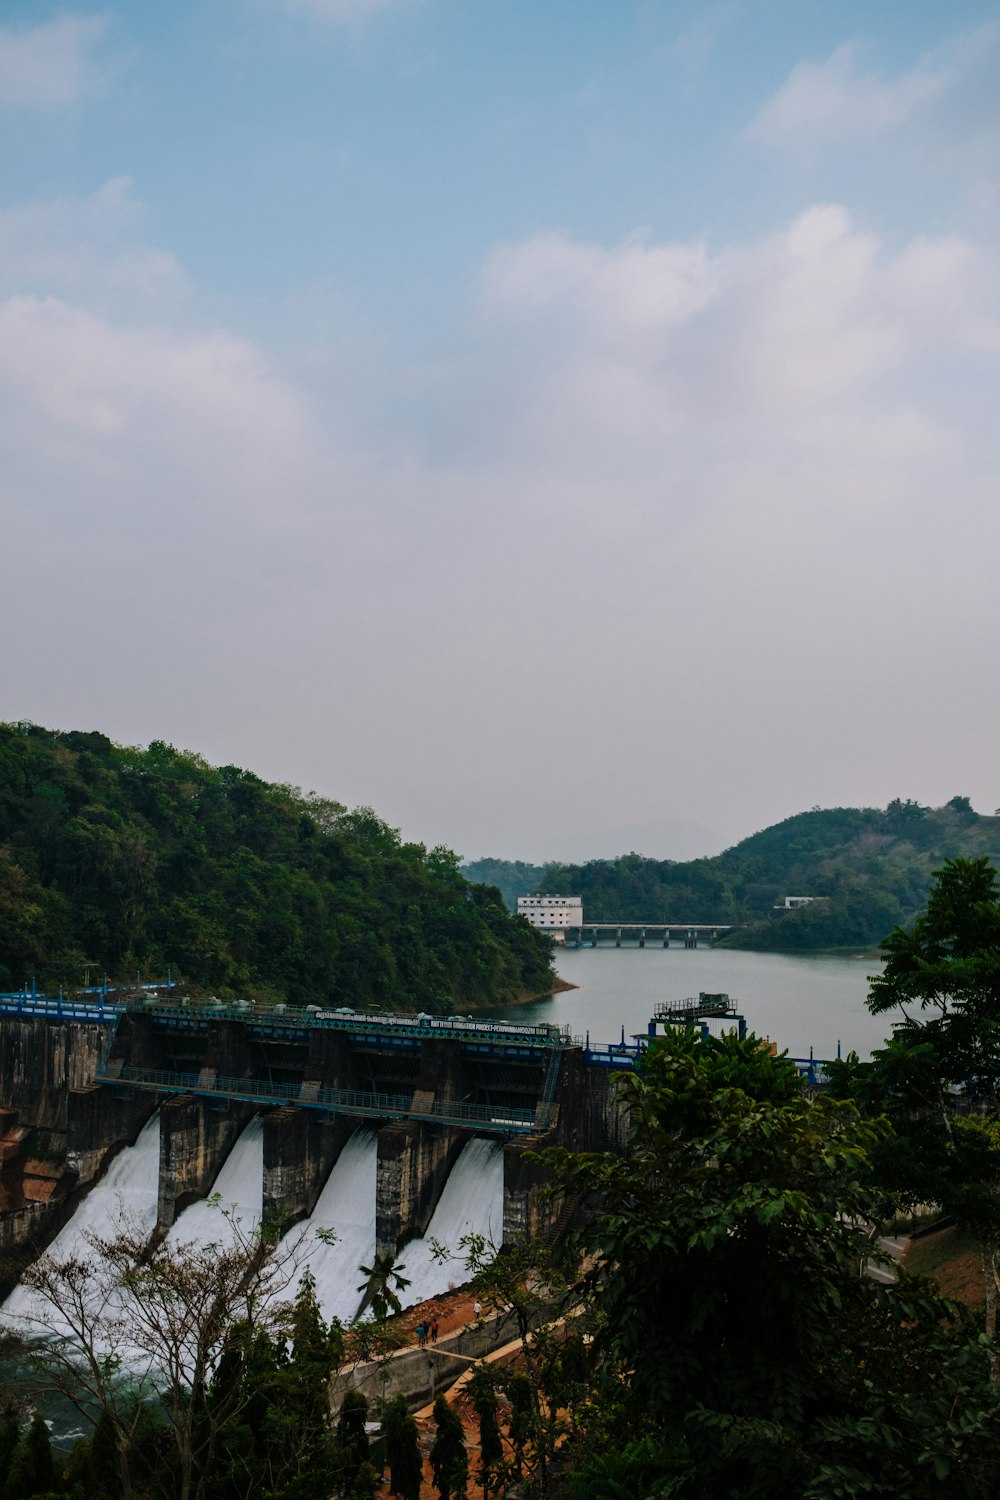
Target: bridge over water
593, 934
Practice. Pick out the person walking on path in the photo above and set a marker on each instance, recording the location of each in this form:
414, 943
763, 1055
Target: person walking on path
434, 1331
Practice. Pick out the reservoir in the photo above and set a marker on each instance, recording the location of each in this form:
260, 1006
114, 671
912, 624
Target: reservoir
799, 1001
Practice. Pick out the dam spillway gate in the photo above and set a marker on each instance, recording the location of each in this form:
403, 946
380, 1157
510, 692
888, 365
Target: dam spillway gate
85, 1081
480, 1075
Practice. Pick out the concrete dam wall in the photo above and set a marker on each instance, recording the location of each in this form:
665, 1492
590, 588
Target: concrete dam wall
75, 1093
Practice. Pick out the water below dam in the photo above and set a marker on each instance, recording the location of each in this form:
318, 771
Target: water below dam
799, 1001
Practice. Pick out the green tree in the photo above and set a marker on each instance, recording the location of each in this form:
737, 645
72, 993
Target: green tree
92, 1470
10, 1432
942, 975
942, 978
366, 1482
138, 858
449, 1459
384, 1281
525, 1421
281, 1441
31, 1470
353, 1451
402, 1450
193, 1318
526, 1285
739, 1335
482, 1393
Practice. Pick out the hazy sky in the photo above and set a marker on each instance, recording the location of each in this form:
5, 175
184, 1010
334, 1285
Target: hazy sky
566, 425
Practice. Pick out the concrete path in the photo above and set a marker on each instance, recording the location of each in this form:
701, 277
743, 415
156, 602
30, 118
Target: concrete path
892, 1248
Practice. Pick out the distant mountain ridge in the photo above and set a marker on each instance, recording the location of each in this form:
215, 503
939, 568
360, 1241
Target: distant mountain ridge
873, 867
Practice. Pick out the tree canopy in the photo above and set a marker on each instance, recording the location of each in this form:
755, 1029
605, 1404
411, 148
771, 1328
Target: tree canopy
117, 859
871, 867
744, 1351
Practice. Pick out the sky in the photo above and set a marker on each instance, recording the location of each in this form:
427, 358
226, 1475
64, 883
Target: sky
567, 428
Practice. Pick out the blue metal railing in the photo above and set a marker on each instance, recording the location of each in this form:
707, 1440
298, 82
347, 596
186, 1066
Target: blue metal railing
27, 1004
376, 1029
549, 1091
339, 1101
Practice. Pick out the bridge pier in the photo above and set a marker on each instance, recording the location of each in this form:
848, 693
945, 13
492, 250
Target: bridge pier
98, 1125
300, 1151
413, 1165
666, 937
195, 1139
530, 1209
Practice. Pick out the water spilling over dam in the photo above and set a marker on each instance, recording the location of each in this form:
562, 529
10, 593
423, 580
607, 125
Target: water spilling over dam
471, 1204
236, 1201
126, 1194
389, 1131
346, 1207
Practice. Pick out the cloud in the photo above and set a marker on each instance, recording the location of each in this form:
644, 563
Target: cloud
661, 344
84, 246
193, 416
52, 65
694, 45
839, 97
699, 513
338, 10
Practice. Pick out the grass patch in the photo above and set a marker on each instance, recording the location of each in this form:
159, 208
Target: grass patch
951, 1258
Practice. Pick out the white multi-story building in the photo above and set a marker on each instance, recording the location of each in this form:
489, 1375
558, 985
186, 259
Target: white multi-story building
552, 913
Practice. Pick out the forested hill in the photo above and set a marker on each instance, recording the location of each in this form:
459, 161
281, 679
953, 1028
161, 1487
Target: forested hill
512, 877
872, 866
128, 859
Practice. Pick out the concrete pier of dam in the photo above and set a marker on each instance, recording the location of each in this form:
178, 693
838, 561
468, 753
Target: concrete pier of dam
75, 1091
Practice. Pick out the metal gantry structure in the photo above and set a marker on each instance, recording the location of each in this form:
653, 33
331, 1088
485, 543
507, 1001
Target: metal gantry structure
495, 1039
106, 1006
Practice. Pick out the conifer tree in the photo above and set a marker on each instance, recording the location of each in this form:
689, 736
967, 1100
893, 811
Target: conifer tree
402, 1450
10, 1432
449, 1460
92, 1469
351, 1447
366, 1482
31, 1469
484, 1400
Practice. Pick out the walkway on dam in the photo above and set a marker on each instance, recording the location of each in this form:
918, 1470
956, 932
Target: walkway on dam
359, 1103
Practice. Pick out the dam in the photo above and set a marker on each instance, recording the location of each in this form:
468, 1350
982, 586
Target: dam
395, 1132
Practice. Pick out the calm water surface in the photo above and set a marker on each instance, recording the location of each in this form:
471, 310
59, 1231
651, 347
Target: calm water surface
798, 1002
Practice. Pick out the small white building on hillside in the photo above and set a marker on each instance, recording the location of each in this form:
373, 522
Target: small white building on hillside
552, 913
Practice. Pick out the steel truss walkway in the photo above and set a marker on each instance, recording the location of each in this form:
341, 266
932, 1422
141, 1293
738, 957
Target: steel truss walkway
500, 1118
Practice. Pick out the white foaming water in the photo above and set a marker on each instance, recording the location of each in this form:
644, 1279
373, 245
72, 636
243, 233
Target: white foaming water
239, 1185
471, 1203
126, 1193
347, 1206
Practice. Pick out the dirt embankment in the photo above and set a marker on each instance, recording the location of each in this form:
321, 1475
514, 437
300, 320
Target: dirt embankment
951, 1259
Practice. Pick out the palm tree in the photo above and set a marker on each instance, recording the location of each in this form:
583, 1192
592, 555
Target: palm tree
384, 1282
